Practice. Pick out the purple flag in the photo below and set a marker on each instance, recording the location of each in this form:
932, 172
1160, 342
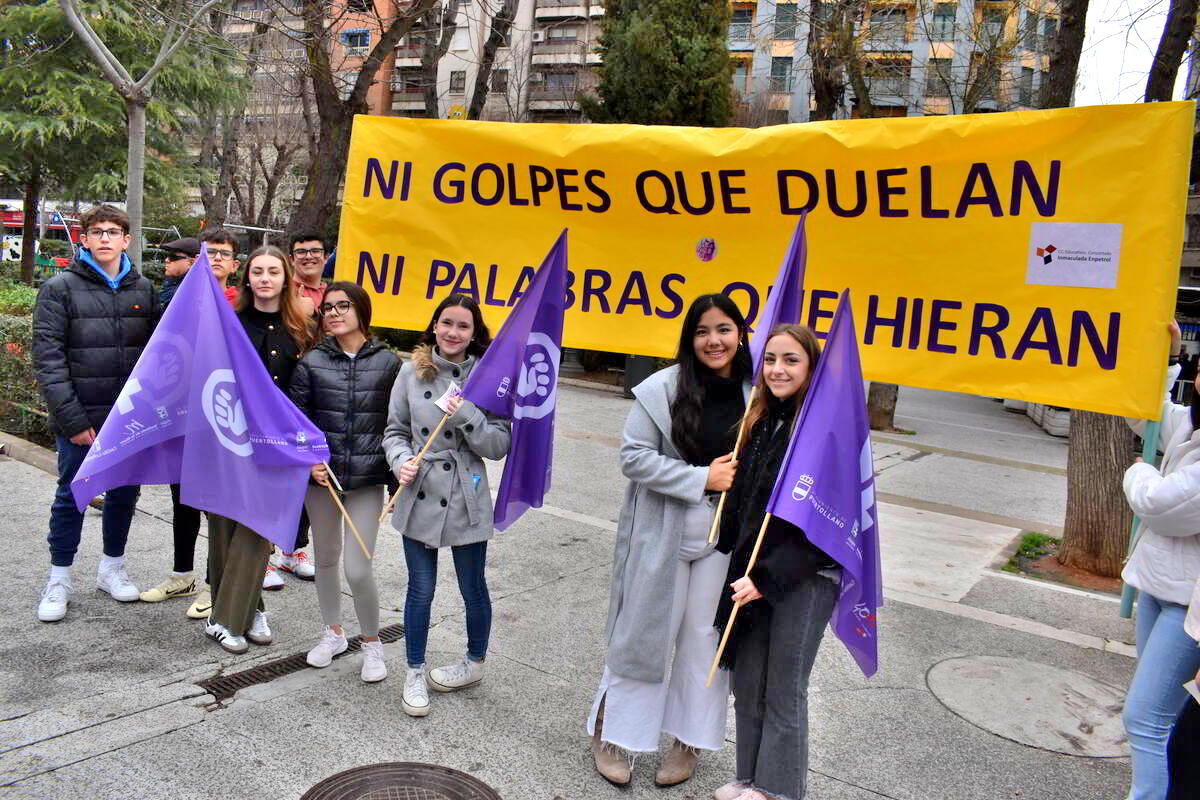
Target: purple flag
518, 378
200, 410
826, 486
786, 297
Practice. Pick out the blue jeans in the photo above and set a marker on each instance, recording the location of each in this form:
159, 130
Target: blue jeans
66, 521
469, 560
1167, 658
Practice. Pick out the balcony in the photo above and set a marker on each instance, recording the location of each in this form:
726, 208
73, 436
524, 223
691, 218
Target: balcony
408, 98
568, 9
897, 86
565, 51
562, 98
408, 54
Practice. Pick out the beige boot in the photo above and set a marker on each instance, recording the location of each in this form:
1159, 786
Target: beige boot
611, 763
678, 766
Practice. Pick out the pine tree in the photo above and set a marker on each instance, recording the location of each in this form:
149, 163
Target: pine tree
665, 63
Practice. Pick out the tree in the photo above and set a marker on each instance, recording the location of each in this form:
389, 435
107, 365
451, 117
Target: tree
177, 27
1059, 87
665, 62
1178, 30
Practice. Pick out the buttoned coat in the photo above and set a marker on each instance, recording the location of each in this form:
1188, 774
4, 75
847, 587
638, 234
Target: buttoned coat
448, 503
662, 486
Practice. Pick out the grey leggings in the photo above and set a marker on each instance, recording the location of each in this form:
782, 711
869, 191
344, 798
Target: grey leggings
331, 536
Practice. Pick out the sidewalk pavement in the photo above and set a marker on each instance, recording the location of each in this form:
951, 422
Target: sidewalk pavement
105, 704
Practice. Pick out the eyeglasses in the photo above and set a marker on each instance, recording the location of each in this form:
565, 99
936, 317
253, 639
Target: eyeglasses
221, 254
106, 233
309, 251
336, 309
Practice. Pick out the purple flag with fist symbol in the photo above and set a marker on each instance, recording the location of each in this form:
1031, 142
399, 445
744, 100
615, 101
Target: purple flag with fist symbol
200, 410
826, 486
518, 378
786, 297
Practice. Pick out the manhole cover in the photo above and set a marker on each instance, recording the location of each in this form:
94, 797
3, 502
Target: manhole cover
1034, 704
401, 780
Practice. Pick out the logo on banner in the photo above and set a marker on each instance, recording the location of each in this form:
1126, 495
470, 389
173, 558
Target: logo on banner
537, 387
802, 488
223, 409
1085, 254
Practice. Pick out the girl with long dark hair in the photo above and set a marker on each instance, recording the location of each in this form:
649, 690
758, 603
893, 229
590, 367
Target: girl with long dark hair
677, 456
446, 501
237, 556
788, 596
343, 386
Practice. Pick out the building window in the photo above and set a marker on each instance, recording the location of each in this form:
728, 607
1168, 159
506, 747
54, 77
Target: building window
994, 20
741, 71
781, 75
785, 21
345, 83
943, 22
1029, 34
356, 42
1049, 31
1026, 86
500, 81
561, 33
937, 78
889, 23
458, 81
360, 6
560, 82
888, 77
407, 81
739, 25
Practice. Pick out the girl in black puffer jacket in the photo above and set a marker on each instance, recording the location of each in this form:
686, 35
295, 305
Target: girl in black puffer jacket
343, 386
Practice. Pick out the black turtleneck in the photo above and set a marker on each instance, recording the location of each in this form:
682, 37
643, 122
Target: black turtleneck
723, 406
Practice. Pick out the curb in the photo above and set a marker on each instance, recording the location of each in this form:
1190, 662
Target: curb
18, 449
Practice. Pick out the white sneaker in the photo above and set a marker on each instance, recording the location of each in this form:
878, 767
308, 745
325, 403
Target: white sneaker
115, 581
298, 564
456, 676
53, 605
331, 644
415, 700
373, 668
271, 579
224, 637
260, 632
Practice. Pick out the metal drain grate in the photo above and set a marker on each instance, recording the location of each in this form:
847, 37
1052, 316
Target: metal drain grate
223, 687
401, 780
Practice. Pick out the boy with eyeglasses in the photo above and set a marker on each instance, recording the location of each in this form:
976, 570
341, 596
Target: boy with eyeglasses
222, 254
90, 324
308, 262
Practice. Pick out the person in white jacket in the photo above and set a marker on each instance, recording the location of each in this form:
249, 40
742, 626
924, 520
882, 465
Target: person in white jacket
1184, 744
1164, 568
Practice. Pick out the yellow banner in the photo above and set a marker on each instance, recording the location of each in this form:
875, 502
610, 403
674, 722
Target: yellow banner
1030, 255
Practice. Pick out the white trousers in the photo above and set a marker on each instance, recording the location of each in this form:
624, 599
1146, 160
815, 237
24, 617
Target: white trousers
637, 713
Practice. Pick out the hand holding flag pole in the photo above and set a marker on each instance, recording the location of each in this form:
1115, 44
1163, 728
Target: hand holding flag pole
387, 507
330, 484
783, 306
733, 615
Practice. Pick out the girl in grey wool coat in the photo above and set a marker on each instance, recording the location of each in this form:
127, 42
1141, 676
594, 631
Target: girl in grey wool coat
676, 453
445, 501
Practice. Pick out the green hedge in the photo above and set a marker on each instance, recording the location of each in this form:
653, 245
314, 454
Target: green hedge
22, 411
17, 299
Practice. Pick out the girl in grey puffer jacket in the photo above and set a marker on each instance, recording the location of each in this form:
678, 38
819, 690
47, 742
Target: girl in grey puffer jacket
445, 500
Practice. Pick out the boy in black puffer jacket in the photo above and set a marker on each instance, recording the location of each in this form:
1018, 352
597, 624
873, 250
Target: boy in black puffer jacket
90, 324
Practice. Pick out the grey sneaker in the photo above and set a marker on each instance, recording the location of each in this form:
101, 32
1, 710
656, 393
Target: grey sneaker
456, 676
224, 637
415, 699
260, 631
331, 644
53, 605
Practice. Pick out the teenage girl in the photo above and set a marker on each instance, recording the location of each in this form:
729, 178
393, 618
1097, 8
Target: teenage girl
445, 501
677, 456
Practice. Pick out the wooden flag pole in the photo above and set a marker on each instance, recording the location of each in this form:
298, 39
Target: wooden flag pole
729, 625
737, 446
387, 507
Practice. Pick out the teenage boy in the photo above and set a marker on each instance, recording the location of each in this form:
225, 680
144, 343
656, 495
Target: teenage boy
180, 255
222, 254
308, 262
90, 324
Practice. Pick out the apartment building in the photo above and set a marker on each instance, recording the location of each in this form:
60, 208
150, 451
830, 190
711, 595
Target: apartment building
919, 57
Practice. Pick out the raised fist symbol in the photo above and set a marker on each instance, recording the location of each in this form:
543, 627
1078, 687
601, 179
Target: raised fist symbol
229, 413
535, 376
